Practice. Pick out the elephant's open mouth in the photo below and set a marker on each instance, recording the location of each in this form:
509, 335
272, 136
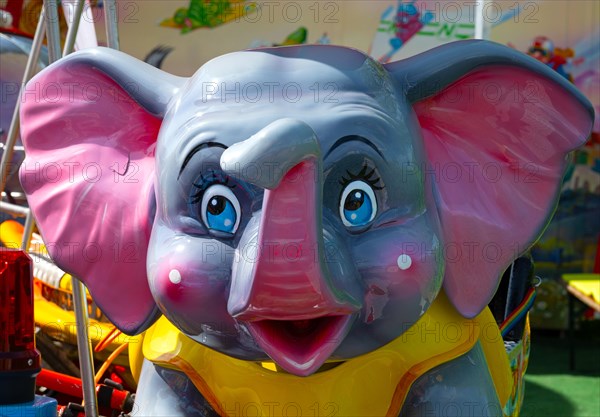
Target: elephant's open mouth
300, 346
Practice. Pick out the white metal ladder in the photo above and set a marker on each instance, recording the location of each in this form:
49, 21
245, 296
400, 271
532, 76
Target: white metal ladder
48, 27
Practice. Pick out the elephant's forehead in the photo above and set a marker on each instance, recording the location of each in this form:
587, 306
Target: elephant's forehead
337, 91
251, 77
306, 63
361, 116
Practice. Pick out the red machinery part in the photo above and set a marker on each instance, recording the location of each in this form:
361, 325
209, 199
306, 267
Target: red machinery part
111, 396
62, 383
19, 360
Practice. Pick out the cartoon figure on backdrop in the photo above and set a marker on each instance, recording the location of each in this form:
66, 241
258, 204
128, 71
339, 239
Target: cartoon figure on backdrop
297, 37
406, 23
208, 14
300, 216
560, 60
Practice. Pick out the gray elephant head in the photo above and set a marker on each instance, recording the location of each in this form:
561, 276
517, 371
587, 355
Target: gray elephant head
303, 203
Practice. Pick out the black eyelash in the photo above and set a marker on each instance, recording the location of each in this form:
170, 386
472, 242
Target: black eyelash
363, 175
205, 182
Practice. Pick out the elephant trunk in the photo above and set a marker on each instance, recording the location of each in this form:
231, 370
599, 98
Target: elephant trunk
288, 278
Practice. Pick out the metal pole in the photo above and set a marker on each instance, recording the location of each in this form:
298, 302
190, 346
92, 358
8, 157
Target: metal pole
84, 348
52, 30
74, 28
482, 30
110, 20
13, 209
13, 130
86, 360
27, 231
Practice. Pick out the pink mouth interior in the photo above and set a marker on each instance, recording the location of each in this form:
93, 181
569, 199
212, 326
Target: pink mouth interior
300, 346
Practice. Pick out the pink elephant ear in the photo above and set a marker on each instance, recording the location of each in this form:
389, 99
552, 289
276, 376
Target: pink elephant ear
497, 127
89, 126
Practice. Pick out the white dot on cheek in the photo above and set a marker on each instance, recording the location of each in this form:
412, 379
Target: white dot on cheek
174, 276
404, 262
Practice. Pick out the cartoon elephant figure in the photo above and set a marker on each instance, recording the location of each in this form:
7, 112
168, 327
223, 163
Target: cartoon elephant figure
318, 233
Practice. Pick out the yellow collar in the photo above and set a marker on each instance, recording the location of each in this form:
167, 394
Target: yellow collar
373, 384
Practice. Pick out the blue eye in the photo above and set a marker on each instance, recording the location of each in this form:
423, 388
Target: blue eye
358, 205
220, 209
